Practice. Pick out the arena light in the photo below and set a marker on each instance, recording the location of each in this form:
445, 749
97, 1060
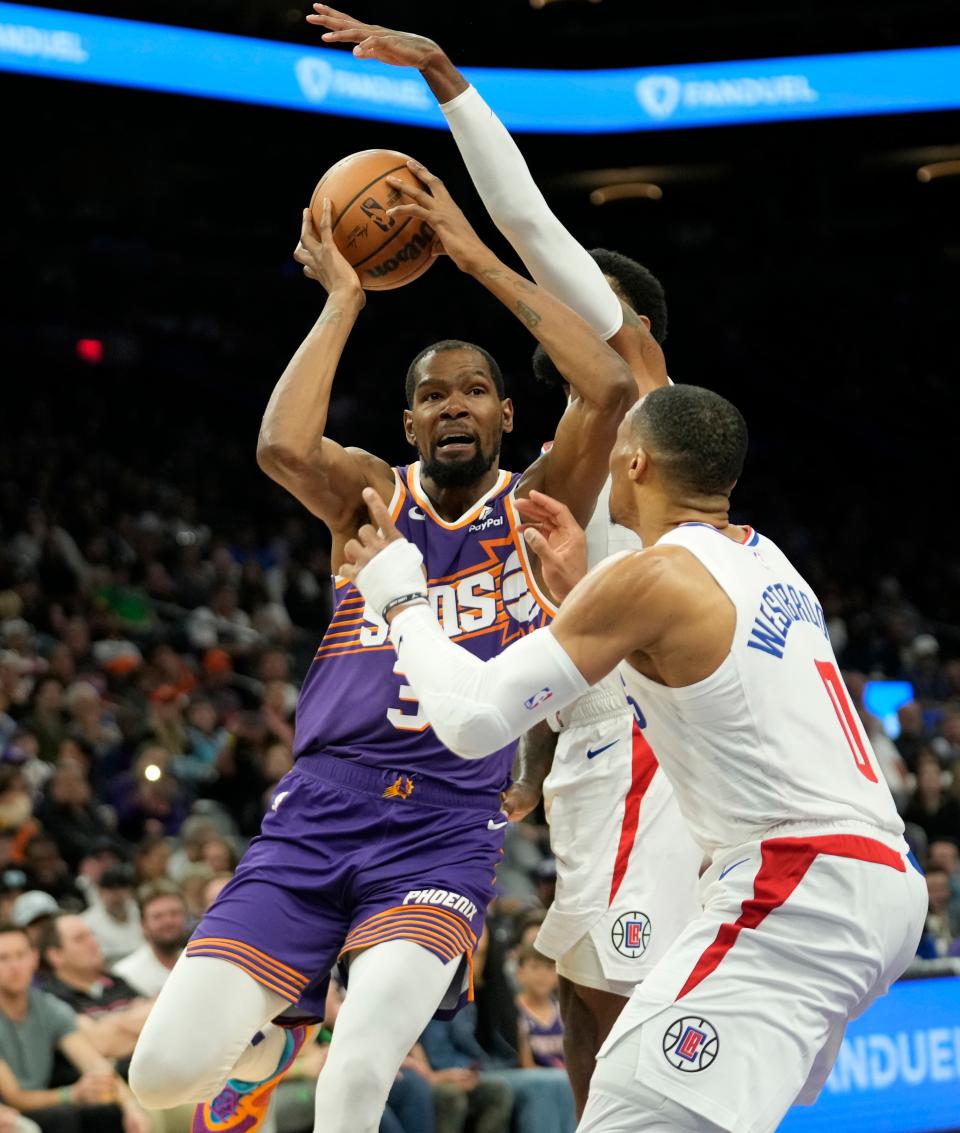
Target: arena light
128, 53
938, 169
629, 190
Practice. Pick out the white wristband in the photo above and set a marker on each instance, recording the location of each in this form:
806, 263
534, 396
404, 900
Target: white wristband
395, 572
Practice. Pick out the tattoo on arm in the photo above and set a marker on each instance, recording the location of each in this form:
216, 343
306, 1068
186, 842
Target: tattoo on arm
528, 314
333, 316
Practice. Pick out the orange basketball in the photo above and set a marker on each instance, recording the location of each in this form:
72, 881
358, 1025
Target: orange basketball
387, 251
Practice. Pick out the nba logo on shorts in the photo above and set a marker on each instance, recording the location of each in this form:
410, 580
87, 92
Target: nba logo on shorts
538, 698
630, 934
690, 1044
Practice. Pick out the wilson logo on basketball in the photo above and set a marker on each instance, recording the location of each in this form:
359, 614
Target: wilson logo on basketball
412, 250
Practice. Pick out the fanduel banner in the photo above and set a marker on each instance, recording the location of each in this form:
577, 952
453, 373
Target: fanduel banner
898, 1070
95, 49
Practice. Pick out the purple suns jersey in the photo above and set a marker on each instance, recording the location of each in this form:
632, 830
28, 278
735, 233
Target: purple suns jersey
355, 705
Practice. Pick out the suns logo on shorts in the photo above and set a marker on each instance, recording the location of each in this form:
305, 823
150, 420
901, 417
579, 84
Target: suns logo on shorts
691, 1044
630, 934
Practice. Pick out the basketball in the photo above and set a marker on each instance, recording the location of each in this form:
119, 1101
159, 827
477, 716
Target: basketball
386, 251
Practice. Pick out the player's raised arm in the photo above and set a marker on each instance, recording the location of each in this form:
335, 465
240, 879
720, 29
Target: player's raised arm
577, 465
292, 449
550, 253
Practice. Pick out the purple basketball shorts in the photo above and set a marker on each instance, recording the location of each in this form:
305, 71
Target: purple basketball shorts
350, 856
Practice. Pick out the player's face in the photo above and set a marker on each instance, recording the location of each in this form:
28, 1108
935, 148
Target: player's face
457, 419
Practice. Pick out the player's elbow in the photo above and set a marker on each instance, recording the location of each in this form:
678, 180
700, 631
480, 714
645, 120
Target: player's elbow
282, 462
620, 391
468, 729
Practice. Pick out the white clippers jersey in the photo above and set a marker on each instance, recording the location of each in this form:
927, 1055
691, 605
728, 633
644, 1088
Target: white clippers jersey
771, 737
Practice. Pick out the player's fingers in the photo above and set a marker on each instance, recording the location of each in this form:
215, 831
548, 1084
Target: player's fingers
348, 570
410, 210
419, 170
539, 545
558, 512
380, 514
308, 230
352, 551
420, 196
532, 512
345, 35
325, 230
369, 537
333, 14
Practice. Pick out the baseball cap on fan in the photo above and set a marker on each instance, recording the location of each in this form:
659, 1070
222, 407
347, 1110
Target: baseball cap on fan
31, 906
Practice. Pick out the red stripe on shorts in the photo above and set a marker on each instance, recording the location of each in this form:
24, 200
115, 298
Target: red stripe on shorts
643, 770
783, 864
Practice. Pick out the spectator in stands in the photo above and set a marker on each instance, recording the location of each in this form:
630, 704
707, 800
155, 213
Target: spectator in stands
151, 859
932, 807
913, 733
69, 813
91, 720
206, 738
32, 911
114, 917
34, 1025
47, 721
541, 1029
148, 799
941, 934
110, 1013
944, 853
163, 915
45, 869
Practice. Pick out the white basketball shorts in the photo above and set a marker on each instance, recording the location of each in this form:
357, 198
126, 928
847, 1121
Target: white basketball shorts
744, 1016
627, 868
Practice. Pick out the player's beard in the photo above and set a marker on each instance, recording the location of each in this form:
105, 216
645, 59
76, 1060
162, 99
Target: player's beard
461, 473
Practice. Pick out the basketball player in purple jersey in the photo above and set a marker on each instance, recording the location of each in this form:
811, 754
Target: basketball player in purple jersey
380, 846
620, 842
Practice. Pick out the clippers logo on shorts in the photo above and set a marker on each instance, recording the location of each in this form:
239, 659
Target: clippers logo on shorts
538, 698
631, 934
691, 1044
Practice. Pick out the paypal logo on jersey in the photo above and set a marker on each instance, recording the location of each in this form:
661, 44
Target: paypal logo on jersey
780, 608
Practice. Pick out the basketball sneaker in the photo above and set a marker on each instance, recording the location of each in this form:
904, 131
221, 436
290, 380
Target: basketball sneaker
242, 1106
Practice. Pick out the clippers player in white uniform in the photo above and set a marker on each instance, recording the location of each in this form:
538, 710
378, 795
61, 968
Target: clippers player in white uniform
626, 865
812, 905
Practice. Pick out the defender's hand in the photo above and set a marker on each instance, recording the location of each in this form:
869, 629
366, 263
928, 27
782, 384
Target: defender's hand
521, 798
372, 537
399, 48
556, 539
322, 260
434, 204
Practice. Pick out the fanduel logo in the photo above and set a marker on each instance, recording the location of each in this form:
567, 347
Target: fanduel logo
65, 46
662, 95
318, 79
915, 1058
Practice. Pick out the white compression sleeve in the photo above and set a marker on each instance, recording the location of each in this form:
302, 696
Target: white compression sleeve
478, 707
517, 207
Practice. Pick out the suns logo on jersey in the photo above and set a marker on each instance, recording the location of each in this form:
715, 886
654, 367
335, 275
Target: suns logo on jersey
470, 605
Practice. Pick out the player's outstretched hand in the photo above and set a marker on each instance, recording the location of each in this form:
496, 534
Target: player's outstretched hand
372, 537
322, 259
399, 48
556, 539
434, 204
